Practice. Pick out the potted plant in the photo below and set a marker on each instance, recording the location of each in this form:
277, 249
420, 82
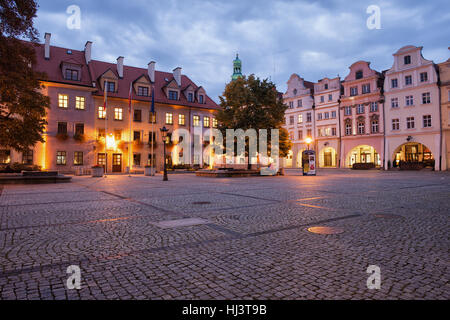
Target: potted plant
97, 171
62, 136
78, 137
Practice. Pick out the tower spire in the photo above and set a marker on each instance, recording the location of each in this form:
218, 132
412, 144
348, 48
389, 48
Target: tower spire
237, 68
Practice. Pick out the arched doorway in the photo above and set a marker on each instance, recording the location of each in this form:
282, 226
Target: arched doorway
288, 160
363, 154
327, 157
413, 152
299, 158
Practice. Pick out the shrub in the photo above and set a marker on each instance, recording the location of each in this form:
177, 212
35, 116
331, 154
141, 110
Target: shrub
363, 166
78, 137
407, 165
19, 167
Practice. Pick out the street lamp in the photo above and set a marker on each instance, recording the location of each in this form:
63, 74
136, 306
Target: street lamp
308, 141
164, 131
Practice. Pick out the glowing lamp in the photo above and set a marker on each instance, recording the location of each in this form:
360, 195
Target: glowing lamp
111, 142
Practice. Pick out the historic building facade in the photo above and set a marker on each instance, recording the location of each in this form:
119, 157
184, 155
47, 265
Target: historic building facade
300, 121
327, 93
361, 114
81, 133
412, 110
444, 77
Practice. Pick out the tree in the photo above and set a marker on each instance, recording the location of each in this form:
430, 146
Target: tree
251, 103
22, 104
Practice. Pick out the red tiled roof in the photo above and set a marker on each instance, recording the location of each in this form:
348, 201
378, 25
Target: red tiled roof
131, 74
90, 73
52, 67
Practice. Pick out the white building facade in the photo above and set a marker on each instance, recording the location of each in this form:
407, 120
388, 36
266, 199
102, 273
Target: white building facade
299, 118
412, 110
327, 93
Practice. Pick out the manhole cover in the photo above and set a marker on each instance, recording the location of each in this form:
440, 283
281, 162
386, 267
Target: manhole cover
201, 202
387, 216
326, 230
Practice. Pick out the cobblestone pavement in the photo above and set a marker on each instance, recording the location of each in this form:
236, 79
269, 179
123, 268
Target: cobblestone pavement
252, 242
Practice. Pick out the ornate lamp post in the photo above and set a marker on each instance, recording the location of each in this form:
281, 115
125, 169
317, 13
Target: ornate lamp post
308, 141
164, 131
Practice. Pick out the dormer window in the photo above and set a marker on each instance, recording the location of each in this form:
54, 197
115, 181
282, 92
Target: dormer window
190, 97
142, 91
407, 59
71, 74
173, 95
326, 86
359, 74
200, 98
110, 86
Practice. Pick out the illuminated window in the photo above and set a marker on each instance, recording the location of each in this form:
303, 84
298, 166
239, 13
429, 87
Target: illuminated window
118, 114
80, 103
61, 158
181, 119
196, 121
63, 101
206, 122
5, 156
169, 118
101, 112
214, 123
78, 158
300, 118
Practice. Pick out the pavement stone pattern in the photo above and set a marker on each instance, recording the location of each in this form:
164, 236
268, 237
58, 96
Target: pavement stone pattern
255, 243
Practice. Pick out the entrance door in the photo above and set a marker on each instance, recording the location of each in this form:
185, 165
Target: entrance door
117, 162
101, 160
328, 162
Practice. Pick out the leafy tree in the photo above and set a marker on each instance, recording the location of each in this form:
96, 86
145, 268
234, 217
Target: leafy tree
252, 103
22, 105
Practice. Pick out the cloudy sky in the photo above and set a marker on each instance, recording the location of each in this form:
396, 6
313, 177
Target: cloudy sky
274, 39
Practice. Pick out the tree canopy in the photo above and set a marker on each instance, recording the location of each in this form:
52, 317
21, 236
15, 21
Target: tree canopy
252, 103
22, 104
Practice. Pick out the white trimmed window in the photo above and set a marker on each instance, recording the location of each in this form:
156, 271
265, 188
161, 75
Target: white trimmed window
118, 114
63, 101
300, 118
426, 98
409, 100
394, 102
410, 124
427, 121
80, 103
395, 124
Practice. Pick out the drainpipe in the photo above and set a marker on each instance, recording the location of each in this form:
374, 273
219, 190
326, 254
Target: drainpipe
440, 117
340, 133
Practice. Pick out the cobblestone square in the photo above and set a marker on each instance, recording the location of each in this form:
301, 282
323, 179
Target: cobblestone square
242, 238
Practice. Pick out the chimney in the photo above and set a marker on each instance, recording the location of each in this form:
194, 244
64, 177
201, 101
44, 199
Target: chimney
177, 75
151, 71
47, 45
120, 66
87, 51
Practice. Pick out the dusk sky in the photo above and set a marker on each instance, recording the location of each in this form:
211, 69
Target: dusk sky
274, 39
